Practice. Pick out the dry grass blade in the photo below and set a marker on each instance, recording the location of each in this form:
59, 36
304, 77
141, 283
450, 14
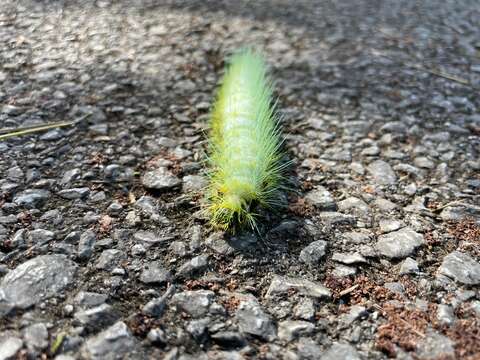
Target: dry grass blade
34, 129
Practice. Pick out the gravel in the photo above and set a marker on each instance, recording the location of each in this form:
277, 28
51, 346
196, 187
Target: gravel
105, 250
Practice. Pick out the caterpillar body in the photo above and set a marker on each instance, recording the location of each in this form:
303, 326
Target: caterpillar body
245, 144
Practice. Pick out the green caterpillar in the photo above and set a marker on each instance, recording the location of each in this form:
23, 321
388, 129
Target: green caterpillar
245, 144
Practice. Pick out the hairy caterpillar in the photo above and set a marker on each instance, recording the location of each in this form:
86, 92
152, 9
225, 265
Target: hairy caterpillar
244, 144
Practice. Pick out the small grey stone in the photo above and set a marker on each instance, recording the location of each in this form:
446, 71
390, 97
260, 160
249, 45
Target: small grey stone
155, 273
9, 347
445, 315
356, 312
74, 193
36, 336
132, 218
321, 198
149, 238
314, 252
178, 248
147, 204
343, 271
476, 307
253, 320
115, 208
86, 244
15, 174
385, 205
382, 173
423, 162
156, 306
357, 237
353, 258
109, 259
8, 219
389, 225
409, 266
19, 239
354, 206
195, 303
86, 299
217, 243
335, 218
461, 268
457, 213
160, 179
97, 317
32, 198
157, 336
70, 176
194, 183
198, 329
305, 309
395, 287
11, 110
196, 265
289, 330
229, 339
281, 285
110, 344
370, 151
138, 250
340, 351
99, 129
53, 217
308, 349
399, 244
37, 279
435, 346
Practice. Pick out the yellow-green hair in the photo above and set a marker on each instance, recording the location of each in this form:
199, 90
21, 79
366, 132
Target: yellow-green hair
244, 143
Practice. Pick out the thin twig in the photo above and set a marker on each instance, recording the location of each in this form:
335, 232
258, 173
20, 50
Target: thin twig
347, 291
435, 72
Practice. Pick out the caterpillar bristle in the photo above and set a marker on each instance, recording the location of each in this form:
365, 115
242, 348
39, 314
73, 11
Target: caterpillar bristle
245, 144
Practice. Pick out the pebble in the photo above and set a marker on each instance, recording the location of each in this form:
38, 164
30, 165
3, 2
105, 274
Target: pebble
31, 198
460, 267
349, 258
96, 318
382, 173
194, 266
194, 303
155, 273
86, 244
108, 344
289, 330
409, 266
280, 285
435, 346
399, 244
314, 252
74, 193
87, 299
160, 179
341, 351
37, 279
194, 183
9, 347
253, 320
445, 314
321, 198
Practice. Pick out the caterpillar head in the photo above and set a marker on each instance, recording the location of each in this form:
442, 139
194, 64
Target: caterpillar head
230, 209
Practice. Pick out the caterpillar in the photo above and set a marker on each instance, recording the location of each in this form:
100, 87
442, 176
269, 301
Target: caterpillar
245, 144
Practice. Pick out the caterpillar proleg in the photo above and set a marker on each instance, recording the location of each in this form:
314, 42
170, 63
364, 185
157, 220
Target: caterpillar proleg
244, 144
